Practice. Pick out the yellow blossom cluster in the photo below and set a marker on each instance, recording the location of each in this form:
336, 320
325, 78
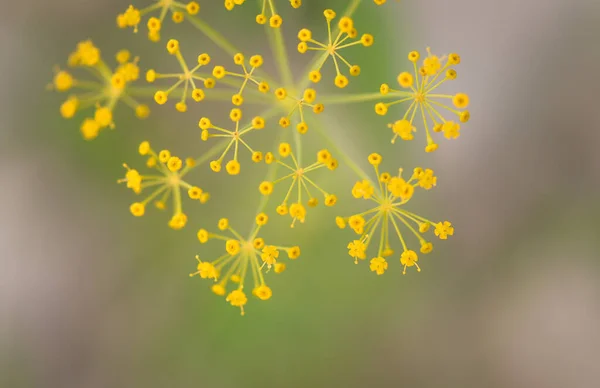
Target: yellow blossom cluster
243, 257
301, 183
346, 37
166, 181
391, 193
420, 97
101, 93
278, 106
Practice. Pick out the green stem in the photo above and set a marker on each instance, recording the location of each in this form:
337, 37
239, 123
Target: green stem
206, 156
343, 99
213, 35
279, 51
264, 201
339, 151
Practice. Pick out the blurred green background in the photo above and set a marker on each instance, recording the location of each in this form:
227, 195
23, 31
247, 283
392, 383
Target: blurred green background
91, 297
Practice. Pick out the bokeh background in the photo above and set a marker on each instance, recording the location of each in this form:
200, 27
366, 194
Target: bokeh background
91, 297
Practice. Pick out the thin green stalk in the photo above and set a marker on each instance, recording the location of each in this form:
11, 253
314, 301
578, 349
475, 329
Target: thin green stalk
344, 99
264, 201
339, 151
213, 35
280, 53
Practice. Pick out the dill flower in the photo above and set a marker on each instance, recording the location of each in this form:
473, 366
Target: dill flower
347, 37
250, 83
298, 175
190, 78
390, 194
103, 93
167, 181
432, 73
243, 258
132, 16
275, 20
255, 62
233, 166
294, 104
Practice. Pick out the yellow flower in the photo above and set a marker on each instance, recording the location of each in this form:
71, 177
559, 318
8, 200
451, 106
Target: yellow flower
293, 252
357, 249
409, 259
390, 196
166, 182
189, 79
244, 260
301, 184
444, 229
363, 189
378, 265
237, 298
206, 270
424, 101
107, 89
346, 37
426, 178
263, 292
269, 255
236, 136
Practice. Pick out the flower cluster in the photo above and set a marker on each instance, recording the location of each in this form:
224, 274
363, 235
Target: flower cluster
261, 101
243, 257
346, 37
166, 181
103, 92
390, 195
300, 181
432, 73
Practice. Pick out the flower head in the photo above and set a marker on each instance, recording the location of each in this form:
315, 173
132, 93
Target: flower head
347, 36
301, 185
132, 16
190, 79
168, 184
390, 194
103, 93
423, 101
298, 104
248, 75
244, 258
236, 135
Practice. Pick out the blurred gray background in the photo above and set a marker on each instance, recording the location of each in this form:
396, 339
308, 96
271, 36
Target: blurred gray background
90, 297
